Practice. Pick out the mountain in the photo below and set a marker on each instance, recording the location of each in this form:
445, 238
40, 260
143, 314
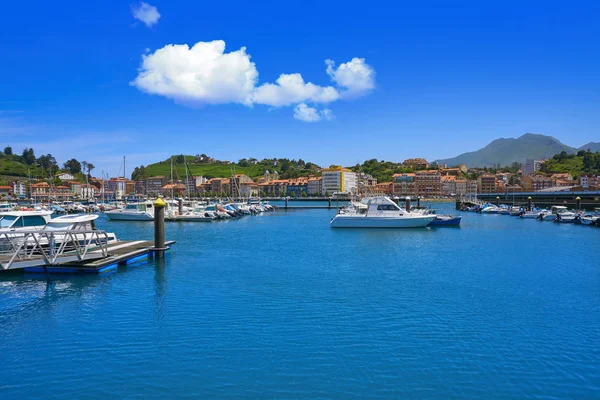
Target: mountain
592, 146
506, 151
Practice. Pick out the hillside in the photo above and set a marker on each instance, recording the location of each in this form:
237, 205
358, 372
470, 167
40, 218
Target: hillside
217, 169
591, 146
584, 162
506, 151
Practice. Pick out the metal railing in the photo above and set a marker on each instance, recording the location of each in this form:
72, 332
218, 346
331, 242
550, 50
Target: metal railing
21, 249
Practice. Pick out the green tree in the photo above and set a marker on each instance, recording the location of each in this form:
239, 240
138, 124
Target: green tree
90, 168
8, 151
28, 156
73, 166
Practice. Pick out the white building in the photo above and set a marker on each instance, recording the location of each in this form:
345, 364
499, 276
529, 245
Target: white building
338, 180
65, 176
19, 189
531, 166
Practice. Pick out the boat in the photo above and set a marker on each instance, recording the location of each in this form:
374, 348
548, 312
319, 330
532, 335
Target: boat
490, 209
589, 219
133, 212
24, 221
440, 219
515, 211
534, 214
382, 212
563, 215
7, 207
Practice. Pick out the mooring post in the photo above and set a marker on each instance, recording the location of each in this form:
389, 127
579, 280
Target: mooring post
418, 201
286, 202
180, 205
578, 200
329, 201
497, 201
529, 203
159, 228
407, 203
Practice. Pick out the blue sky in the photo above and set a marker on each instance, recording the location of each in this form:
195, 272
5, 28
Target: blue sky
432, 80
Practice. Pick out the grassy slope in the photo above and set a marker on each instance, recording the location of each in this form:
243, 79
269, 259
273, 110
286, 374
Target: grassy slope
213, 170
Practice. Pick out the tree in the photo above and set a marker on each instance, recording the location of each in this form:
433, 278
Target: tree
28, 157
180, 159
47, 162
90, 168
84, 165
73, 166
8, 151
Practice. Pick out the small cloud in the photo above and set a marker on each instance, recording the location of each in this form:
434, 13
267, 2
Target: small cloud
146, 13
326, 114
355, 76
305, 113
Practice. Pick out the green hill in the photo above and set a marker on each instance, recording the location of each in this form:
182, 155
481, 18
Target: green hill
218, 169
584, 162
506, 151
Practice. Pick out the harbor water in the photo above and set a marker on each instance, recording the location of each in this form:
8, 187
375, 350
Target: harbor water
282, 306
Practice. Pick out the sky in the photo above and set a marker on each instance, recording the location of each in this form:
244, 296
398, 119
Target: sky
328, 82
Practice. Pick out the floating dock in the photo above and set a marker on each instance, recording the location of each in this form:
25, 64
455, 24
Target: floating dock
92, 257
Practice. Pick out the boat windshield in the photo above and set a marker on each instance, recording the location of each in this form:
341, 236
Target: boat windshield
7, 220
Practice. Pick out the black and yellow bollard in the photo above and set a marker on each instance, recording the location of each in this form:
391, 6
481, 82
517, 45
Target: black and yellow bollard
497, 201
529, 203
159, 228
578, 201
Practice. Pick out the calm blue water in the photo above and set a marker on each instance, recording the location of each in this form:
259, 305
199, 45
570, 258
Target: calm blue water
282, 306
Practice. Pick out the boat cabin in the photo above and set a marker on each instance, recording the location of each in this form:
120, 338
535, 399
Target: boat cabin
24, 220
559, 209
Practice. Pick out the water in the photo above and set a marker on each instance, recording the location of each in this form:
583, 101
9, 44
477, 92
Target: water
282, 306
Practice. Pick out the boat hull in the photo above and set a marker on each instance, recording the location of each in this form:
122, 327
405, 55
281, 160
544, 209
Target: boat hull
350, 221
125, 216
455, 221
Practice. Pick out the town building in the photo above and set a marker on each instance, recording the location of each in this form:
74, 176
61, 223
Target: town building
41, 189
314, 186
174, 189
404, 185
336, 179
416, 163
533, 183
238, 185
531, 166
297, 187
150, 186
6, 191
19, 189
385, 188
428, 183
589, 182
486, 183
449, 185
65, 176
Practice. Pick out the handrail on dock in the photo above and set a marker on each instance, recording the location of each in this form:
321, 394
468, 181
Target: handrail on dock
50, 247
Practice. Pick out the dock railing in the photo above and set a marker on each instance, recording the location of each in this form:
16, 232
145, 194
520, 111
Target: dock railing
39, 248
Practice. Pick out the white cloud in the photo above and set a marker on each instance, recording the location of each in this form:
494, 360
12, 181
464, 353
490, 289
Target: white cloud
310, 114
203, 74
146, 13
306, 113
206, 74
291, 89
327, 114
355, 76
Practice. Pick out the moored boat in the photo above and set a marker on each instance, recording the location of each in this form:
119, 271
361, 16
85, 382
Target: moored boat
382, 212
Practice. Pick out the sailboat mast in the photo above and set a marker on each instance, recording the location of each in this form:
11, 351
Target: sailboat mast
187, 188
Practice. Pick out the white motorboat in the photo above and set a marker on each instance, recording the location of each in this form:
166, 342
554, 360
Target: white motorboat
133, 212
24, 221
382, 212
530, 214
589, 219
564, 215
7, 207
